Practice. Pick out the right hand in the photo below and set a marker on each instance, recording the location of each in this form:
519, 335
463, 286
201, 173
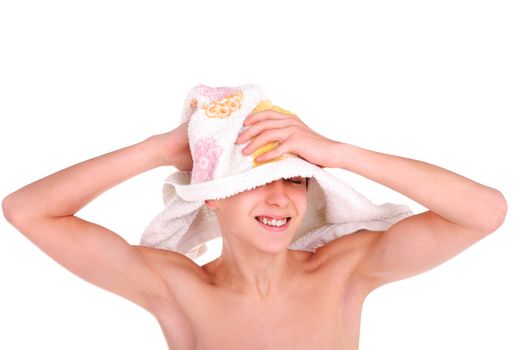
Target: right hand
175, 148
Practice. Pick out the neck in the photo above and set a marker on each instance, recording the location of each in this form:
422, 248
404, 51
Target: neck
257, 274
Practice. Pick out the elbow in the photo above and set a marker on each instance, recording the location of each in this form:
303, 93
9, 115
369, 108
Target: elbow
9, 210
497, 213
5, 209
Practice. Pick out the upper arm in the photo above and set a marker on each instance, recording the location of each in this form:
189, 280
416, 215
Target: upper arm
101, 257
409, 247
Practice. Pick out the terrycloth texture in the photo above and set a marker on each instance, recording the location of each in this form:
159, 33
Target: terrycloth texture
220, 170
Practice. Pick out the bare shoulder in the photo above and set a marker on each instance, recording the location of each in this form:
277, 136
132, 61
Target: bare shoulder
341, 256
168, 262
177, 271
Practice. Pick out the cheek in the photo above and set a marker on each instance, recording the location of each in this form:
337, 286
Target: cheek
300, 201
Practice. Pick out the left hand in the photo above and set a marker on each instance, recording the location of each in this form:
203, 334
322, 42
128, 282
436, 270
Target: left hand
293, 135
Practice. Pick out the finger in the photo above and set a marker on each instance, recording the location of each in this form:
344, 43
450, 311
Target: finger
266, 137
256, 129
269, 114
274, 153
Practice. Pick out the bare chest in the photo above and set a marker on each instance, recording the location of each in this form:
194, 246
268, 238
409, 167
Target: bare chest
314, 316
299, 324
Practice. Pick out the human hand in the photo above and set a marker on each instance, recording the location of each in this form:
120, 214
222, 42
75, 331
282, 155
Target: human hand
293, 135
175, 148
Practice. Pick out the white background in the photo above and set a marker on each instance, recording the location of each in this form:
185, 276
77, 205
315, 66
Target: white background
441, 82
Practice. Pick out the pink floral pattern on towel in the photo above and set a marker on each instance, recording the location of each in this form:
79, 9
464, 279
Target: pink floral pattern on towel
217, 93
206, 157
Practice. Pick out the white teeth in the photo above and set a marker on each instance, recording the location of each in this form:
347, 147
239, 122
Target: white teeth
273, 222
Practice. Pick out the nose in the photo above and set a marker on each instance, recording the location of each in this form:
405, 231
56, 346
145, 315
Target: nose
277, 193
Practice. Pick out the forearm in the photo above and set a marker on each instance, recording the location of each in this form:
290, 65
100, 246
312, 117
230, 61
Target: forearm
452, 196
65, 192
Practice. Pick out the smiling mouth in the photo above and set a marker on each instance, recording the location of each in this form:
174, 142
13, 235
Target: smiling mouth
275, 228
